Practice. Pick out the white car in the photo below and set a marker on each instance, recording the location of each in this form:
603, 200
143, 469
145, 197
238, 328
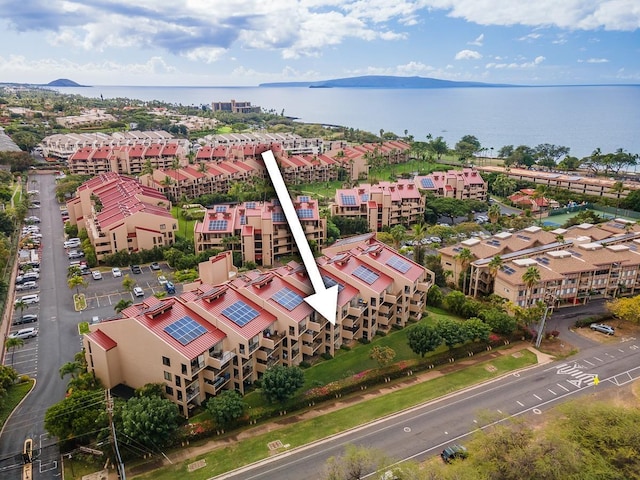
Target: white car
25, 333
96, 275
116, 272
138, 292
31, 285
162, 280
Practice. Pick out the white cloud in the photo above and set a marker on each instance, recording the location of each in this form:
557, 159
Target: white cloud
478, 41
468, 55
575, 15
514, 65
530, 37
597, 60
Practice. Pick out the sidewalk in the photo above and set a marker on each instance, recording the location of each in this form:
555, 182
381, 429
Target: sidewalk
270, 426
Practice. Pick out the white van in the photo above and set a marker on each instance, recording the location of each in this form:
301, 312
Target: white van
29, 299
25, 333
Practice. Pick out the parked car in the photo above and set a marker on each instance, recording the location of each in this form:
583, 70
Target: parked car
155, 266
603, 328
136, 269
28, 318
116, 272
28, 299
85, 270
31, 285
162, 280
75, 254
25, 333
96, 275
170, 287
453, 452
138, 292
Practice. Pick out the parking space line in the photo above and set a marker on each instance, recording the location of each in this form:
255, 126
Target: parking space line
520, 403
590, 363
599, 359
554, 393
537, 397
563, 387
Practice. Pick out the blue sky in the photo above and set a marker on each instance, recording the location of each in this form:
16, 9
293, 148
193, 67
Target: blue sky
247, 42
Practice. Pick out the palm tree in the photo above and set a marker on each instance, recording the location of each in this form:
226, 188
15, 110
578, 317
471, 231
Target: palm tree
464, 256
76, 282
13, 343
230, 242
494, 265
494, 213
398, 234
539, 193
128, 283
20, 305
418, 233
530, 278
71, 368
121, 305
560, 238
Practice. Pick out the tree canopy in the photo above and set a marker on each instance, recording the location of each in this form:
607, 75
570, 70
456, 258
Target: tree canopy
150, 420
226, 407
423, 338
279, 383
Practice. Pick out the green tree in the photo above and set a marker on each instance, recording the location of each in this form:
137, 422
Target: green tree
455, 301
435, 296
71, 368
13, 343
503, 185
500, 322
20, 305
382, 354
449, 207
423, 338
151, 421
618, 188
465, 257
451, 332
226, 407
530, 277
121, 305
467, 147
128, 283
438, 146
476, 329
398, 234
78, 416
548, 155
494, 213
279, 383
355, 463
76, 282
494, 265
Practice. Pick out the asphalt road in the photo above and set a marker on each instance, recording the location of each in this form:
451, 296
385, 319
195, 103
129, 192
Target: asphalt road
424, 431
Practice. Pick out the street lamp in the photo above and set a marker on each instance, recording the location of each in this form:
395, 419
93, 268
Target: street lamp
549, 300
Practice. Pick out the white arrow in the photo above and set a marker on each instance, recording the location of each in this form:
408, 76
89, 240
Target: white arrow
324, 300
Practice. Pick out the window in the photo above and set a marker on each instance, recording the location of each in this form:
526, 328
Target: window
167, 376
163, 226
179, 395
178, 383
169, 390
184, 369
166, 361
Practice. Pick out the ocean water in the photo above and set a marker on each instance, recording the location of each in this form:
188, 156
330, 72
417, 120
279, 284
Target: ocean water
580, 117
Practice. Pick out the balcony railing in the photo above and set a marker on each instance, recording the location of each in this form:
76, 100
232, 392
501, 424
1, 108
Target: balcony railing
220, 359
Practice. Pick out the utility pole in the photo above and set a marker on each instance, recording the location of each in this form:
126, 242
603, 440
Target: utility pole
114, 440
549, 304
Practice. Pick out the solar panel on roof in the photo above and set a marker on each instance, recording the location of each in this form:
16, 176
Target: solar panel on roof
508, 270
240, 313
364, 197
574, 253
277, 217
366, 275
330, 282
276, 202
221, 208
399, 264
287, 298
250, 205
217, 225
185, 330
243, 220
304, 198
348, 199
427, 183
305, 213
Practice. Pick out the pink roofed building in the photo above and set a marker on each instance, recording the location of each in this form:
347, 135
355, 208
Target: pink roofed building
121, 214
225, 335
463, 184
258, 229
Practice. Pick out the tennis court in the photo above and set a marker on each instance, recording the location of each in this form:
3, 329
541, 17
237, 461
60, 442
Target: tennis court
559, 220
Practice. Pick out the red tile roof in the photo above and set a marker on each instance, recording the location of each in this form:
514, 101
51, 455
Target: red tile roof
102, 340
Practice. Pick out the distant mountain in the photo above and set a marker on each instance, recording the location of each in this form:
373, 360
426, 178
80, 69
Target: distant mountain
384, 81
63, 82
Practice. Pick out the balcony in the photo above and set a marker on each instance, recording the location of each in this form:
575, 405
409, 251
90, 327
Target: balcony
220, 359
423, 286
383, 309
355, 311
314, 327
270, 340
246, 371
217, 383
193, 392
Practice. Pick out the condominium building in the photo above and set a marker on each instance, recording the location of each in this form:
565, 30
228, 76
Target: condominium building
576, 264
235, 107
387, 204
129, 160
120, 214
384, 204
258, 229
215, 337
465, 184
579, 183
290, 142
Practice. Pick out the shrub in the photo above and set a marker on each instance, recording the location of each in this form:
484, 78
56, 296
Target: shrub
304, 364
327, 356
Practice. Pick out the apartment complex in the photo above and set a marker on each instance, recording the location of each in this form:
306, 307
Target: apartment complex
219, 336
120, 214
583, 184
64, 146
234, 107
258, 229
576, 264
92, 117
290, 142
129, 160
387, 204
384, 204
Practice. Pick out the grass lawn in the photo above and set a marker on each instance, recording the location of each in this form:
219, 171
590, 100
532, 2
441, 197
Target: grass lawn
247, 451
83, 327
79, 301
185, 227
15, 394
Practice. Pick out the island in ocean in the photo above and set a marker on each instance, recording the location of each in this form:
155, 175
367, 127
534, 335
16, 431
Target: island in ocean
63, 82
384, 81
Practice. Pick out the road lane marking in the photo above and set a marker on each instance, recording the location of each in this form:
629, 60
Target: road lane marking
520, 403
563, 387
